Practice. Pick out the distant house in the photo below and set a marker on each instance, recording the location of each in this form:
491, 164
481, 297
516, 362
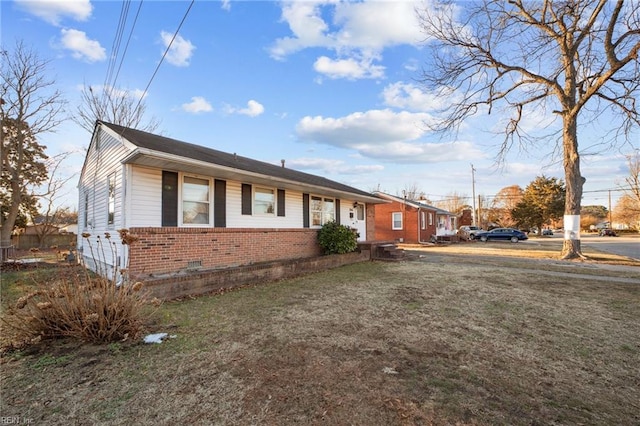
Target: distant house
40, 229
411, 221
196, 208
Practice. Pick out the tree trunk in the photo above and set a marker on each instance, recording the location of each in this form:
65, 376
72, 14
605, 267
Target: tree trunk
574, 182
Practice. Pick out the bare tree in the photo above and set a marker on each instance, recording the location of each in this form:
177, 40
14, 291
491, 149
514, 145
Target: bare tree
574, 58
49, 195
29, 107
117, 106
454, 202
627, 211
412, 192
632, 189
505, 200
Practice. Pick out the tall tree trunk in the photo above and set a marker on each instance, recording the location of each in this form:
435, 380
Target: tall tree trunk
574, 182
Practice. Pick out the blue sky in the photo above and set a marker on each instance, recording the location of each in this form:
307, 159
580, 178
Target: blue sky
331, 87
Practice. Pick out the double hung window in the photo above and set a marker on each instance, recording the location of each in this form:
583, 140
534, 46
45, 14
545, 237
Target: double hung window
396, 220
196, 204
322, 210
264, 201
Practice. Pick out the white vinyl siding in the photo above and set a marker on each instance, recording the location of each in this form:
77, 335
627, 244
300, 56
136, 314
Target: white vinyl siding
99, 165
146, 197
292, 219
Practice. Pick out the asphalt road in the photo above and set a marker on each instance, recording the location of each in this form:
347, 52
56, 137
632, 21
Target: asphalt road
623, 246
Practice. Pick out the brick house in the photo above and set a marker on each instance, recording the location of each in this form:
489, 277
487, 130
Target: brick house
411, 221
195, 208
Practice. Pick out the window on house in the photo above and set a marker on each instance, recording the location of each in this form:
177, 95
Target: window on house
86, 211
111, 203
264, 201
423, 220
322, 210
396, 220
195, 201
360, 212
430, 219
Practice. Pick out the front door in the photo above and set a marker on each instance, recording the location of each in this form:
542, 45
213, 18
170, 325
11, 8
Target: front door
358, 221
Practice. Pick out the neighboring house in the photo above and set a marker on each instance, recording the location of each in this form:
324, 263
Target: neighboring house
40, 230
195, 208
411, 221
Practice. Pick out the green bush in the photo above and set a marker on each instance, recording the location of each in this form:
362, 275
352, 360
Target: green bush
337, 239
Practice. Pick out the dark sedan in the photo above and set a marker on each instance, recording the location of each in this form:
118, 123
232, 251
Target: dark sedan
507, 234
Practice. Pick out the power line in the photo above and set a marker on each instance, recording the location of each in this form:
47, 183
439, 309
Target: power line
126, 47
175, 34
115, 47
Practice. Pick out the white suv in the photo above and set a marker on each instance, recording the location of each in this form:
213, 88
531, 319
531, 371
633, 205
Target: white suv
469, 232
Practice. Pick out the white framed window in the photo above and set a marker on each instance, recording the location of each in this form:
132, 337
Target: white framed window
196, 201
396, 220
430, 219
322, 210
360, 212
423, 220
111, 199
264, 201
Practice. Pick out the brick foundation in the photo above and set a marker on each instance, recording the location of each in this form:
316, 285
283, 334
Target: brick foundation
170, 250
198, 283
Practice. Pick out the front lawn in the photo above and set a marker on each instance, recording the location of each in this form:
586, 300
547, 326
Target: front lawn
414, 342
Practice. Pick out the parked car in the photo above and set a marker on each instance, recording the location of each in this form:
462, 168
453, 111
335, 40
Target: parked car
547, 232
469, 232
508, 234
608, 233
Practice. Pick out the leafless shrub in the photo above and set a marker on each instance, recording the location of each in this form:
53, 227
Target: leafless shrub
82, 305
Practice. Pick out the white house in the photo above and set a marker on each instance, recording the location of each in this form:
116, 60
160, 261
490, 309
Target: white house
192, 207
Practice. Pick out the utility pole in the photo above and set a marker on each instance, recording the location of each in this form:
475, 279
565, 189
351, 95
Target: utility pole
474, 218
610, 217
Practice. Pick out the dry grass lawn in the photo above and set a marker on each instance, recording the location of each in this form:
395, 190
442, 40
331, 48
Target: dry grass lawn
435, 340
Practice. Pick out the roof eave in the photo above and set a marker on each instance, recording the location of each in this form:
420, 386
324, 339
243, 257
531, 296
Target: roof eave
156, 159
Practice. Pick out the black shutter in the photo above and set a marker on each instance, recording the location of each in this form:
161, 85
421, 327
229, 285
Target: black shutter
305, 210
246, 199
280, 202
337, 211
169, 198
220, 203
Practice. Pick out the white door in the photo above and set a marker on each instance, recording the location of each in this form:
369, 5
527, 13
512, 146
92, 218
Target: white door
358, 221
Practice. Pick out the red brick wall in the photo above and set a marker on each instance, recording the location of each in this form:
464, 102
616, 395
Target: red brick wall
166, 250
410, 223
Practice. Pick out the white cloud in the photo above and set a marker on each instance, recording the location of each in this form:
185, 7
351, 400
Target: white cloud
53, 11
81, 46
384, 135
225, 5
409, 96
370, 25
180, 51
332, 167
197, 105
348, 68
357, 34
253, 109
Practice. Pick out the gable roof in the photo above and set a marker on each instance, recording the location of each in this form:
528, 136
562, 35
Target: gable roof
413, 203
163, 152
